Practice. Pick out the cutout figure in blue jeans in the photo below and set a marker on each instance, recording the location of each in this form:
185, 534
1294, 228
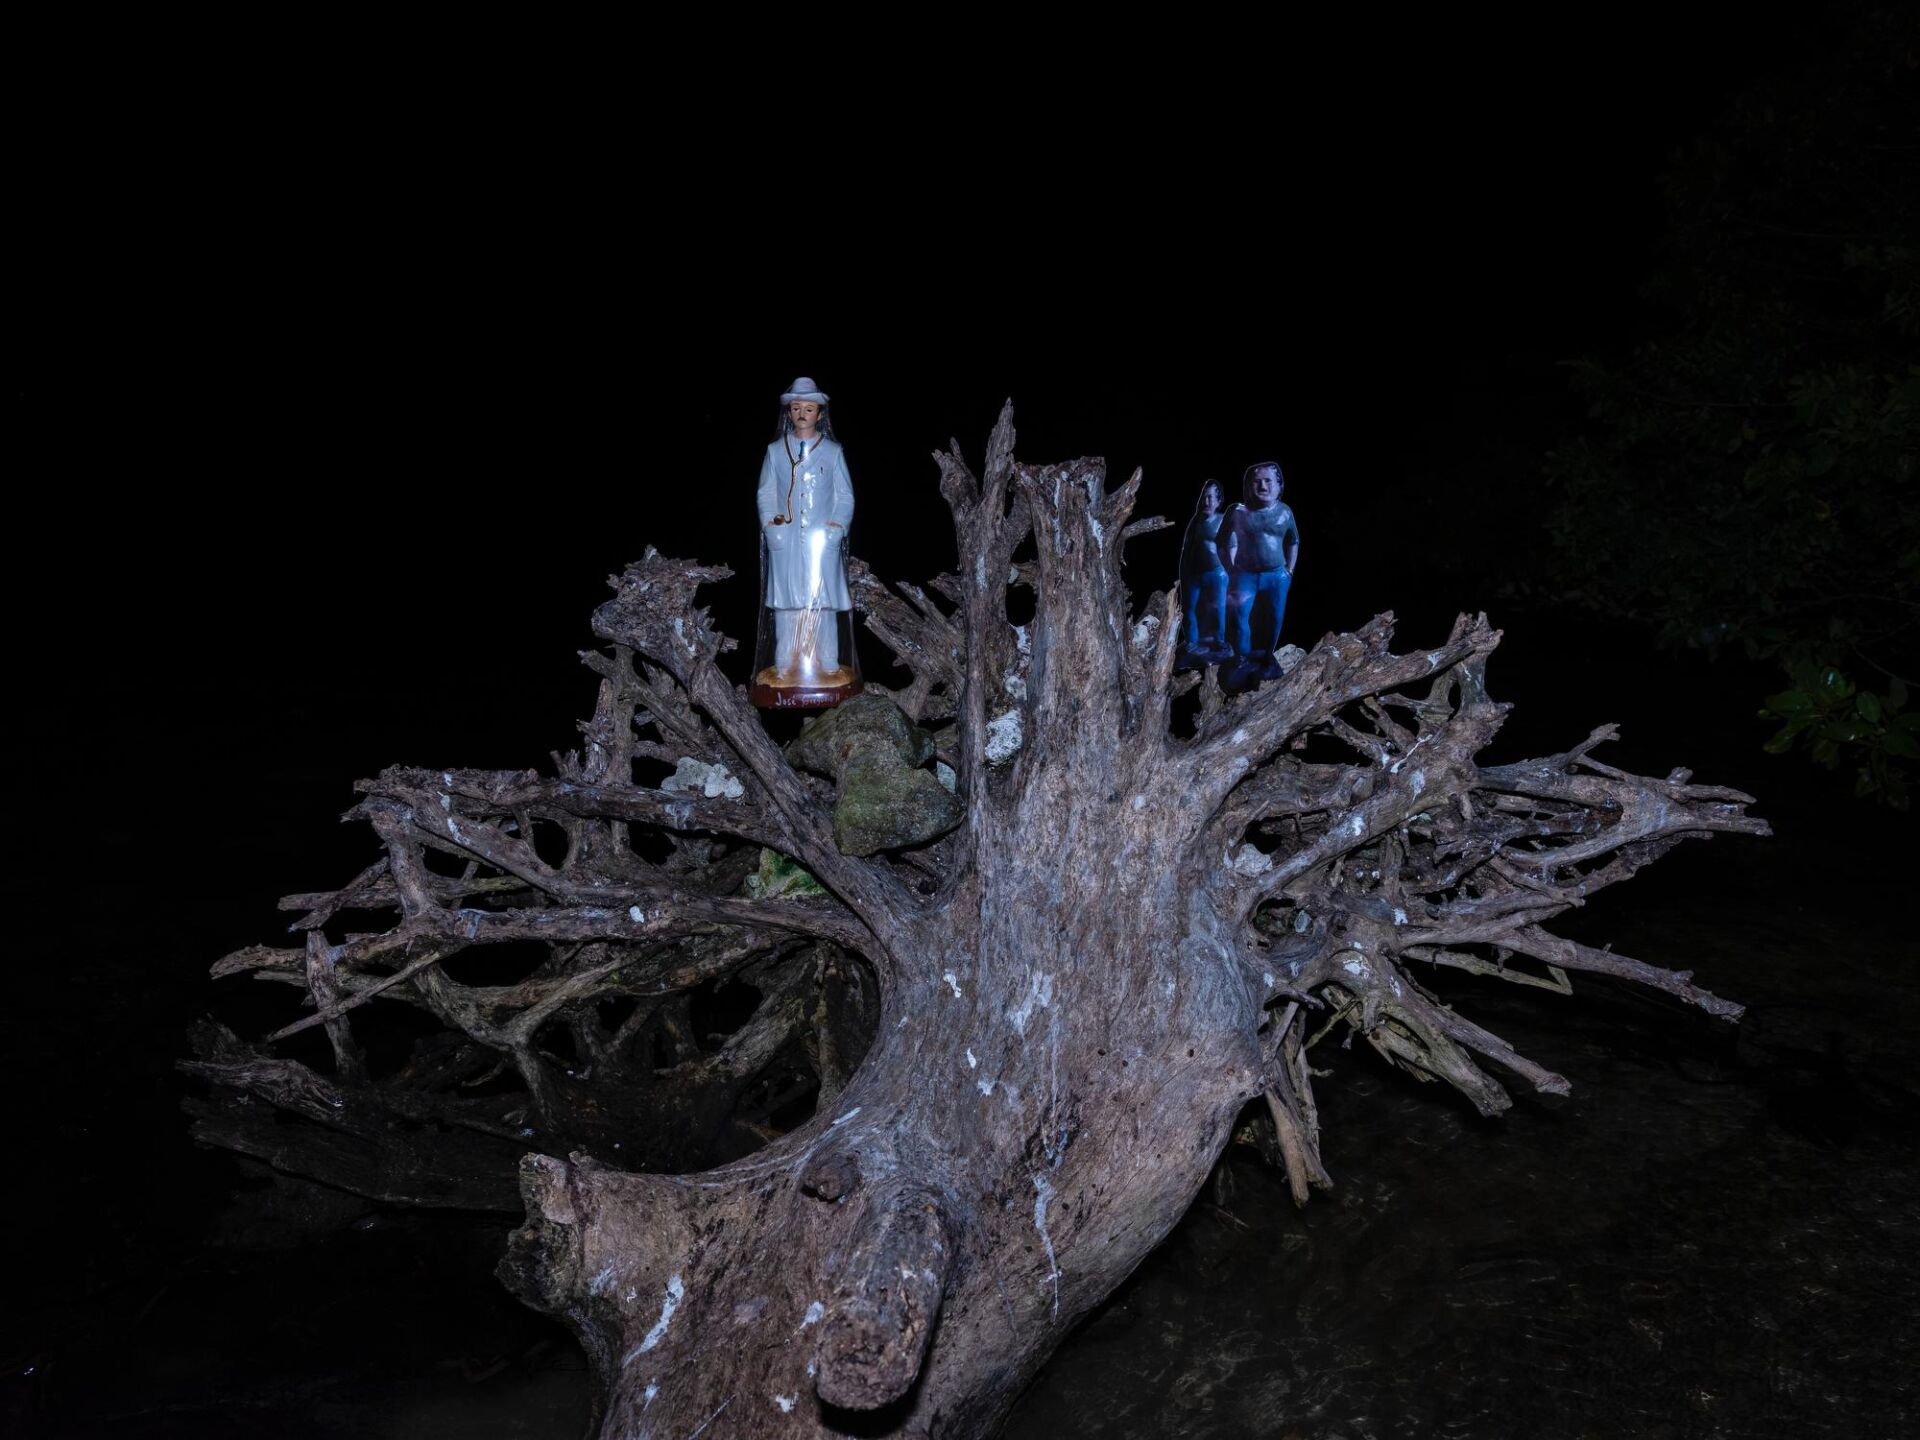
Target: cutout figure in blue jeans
1203, 583
1261, 547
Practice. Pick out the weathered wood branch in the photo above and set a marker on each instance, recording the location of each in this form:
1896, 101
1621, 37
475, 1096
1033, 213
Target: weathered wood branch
1340, 670
920, 636
883, 1311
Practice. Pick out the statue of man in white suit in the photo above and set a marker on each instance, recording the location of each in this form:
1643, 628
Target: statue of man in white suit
806, 504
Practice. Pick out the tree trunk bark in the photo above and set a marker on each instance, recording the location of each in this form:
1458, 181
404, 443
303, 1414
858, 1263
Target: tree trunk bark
1034, 1116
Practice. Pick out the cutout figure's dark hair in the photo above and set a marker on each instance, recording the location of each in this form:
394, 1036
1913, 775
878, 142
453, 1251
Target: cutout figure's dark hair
1246, 479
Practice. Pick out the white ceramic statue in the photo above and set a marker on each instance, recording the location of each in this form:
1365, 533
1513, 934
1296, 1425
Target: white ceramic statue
806, 505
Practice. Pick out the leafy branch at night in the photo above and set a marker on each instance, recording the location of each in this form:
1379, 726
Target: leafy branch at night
1746, 477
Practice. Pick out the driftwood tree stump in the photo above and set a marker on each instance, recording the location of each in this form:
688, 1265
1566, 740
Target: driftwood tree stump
1072, 995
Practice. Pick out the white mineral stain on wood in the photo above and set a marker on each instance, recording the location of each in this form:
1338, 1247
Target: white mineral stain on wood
815, 1313
636, 914
1004, 737
1252, 860
846, 1117
952, 981
786, 1402
972, 1064
1040, 993
1044, 1193
701, 1429
985, 1087
1400, 764
676, 1292
691, 776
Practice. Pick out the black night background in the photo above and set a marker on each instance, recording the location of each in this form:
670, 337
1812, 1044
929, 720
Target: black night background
333, 429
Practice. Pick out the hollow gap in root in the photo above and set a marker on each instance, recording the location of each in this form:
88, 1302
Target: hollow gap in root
721, 1008
507, 963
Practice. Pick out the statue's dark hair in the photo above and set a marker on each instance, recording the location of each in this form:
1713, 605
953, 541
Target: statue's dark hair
785, 426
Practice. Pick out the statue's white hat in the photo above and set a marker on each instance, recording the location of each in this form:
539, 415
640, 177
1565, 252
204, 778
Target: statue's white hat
804, 389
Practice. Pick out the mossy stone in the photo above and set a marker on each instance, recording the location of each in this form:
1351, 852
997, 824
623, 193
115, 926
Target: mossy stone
873, 753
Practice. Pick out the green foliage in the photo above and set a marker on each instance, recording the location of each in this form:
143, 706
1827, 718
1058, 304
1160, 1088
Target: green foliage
778, 878
1833, 721
1746, 476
